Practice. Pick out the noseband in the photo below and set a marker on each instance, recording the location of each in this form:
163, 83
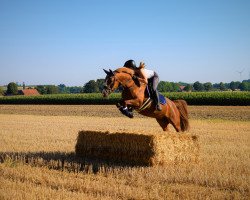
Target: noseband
108, 88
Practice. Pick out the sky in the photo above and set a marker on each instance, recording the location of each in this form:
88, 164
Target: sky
71, 41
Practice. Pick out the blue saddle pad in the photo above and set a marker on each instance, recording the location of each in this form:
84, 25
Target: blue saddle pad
162, 99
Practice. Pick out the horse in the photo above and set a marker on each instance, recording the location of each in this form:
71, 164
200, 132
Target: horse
135, 95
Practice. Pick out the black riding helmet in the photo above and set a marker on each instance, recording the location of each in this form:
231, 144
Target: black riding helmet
130, 64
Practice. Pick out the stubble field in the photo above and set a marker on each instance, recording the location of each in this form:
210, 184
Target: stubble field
37, 155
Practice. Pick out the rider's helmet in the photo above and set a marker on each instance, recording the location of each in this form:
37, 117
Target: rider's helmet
130, 64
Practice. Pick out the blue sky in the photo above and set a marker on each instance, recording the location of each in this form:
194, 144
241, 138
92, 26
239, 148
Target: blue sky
63, 41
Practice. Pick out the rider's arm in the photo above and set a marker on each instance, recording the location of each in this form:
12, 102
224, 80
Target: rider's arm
142, 76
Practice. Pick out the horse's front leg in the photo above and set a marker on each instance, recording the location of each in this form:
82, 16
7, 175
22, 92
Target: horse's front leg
135, 103
123, 107
132, 103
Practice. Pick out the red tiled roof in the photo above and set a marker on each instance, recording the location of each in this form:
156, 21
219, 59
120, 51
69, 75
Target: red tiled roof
29, 92
182, 87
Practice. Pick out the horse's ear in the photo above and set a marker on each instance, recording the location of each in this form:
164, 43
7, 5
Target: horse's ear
107, 72
111, 72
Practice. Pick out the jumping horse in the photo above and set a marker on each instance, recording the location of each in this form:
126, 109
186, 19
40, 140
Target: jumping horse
135, 95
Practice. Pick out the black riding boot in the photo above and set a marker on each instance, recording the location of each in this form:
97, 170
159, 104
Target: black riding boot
157, 101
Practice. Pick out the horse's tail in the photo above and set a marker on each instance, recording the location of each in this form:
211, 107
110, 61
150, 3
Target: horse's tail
182, 107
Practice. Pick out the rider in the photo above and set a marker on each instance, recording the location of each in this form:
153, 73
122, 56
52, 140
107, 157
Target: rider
147, 76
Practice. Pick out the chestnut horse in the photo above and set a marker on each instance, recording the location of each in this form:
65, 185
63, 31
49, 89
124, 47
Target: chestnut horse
134, 96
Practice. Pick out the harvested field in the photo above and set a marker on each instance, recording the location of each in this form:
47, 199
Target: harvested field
38, 160
195, 112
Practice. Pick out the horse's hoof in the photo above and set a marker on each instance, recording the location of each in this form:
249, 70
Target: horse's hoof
130, 115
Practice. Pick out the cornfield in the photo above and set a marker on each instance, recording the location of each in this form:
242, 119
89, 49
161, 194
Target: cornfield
192, 98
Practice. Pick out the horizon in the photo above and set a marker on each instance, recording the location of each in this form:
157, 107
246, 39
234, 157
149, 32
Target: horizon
33, 85
61, 42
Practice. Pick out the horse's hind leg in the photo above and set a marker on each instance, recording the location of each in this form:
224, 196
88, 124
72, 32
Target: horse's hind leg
163, 123
176, 123
176, 126
174, 117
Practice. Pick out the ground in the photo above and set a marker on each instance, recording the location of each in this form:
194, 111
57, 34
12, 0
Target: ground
47, 133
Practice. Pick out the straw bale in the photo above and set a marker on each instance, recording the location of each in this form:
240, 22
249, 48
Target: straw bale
137, 149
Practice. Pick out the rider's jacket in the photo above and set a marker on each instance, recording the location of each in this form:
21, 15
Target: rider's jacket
149, 73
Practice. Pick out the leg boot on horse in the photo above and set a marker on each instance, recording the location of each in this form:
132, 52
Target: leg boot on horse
125, 111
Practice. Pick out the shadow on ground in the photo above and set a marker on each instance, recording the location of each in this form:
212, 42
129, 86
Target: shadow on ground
61, 161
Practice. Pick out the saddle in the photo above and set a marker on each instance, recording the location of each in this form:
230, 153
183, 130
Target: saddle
150, 93
150, 96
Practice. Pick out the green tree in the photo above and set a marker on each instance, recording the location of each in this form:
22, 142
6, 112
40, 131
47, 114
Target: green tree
91, 87
75, 89
198, 86
52, 89
162, 87
100, 84
244, 86
175, 87
222, 86
208, 86
234, 85
41, 89
169, 87
188, 88
1, 91
165, 86
12, 89
62, 88
183, 83
24, 86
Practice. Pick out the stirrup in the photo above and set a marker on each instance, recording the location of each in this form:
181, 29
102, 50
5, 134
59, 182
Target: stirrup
158, 107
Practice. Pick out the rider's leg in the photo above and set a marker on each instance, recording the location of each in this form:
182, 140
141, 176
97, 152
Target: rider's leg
156, 94
157, 100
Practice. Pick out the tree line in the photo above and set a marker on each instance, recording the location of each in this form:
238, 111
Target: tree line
96, 86
165, 86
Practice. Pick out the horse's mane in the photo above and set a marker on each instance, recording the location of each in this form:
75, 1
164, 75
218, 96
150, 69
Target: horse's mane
130, 72
125, 70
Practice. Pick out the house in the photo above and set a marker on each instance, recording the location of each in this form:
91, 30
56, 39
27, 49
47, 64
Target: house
28, 92
182, 88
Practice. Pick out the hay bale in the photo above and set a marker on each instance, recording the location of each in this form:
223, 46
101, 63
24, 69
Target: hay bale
137, 149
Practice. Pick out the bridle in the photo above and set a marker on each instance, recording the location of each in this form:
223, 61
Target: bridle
124, 84
107, 87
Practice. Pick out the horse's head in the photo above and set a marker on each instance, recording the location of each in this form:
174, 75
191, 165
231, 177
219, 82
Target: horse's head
121, 76
111, 83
